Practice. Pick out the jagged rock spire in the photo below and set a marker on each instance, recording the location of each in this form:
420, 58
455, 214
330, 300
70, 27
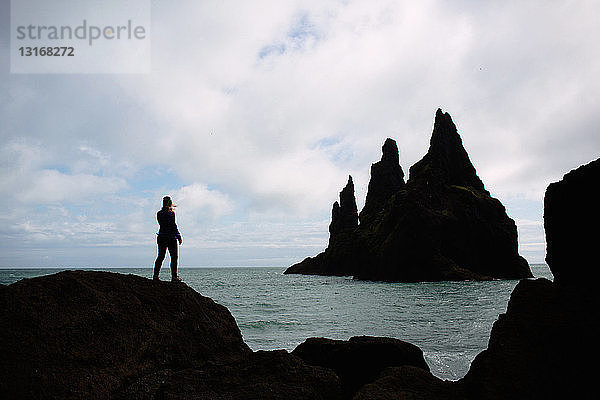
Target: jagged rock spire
441, 225
344, 214
387, 178
447, 161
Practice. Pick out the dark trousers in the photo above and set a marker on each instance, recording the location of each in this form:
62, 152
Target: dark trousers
165, 243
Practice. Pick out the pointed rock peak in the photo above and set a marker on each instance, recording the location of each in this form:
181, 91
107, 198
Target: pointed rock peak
344, 214
446, 161
387, 178
347, 200
390, 152
445, 135
350, 182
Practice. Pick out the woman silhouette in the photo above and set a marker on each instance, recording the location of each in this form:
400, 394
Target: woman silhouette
168, 236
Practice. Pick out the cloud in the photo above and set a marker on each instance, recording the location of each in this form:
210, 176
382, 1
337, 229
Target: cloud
26, 180
198, 200
256, 112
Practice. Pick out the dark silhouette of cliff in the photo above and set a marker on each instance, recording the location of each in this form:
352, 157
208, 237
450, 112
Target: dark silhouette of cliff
543, 347
442, 224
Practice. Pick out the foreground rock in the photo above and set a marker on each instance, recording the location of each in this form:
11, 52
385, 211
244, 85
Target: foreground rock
261, 375
407, 382
440, 225
571, 218
83, 334
359, 360
544, 345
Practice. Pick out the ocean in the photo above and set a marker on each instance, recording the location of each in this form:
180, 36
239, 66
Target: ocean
449, 321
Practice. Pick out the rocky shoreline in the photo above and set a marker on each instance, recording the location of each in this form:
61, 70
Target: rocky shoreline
85, 334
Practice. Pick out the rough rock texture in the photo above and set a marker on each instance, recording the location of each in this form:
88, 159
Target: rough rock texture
361, 359
570, 215
441, 225
85, 334
410, 383
261, 375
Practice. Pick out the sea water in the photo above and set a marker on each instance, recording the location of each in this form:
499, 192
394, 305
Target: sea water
449, 321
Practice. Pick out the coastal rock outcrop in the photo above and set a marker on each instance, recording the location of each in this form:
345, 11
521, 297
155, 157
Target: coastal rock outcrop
341, 256
86, 334
442, 224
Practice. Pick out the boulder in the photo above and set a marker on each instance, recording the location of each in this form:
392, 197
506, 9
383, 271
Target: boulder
361, 359
412, 383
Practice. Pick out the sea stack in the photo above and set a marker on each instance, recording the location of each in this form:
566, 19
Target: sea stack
442, 224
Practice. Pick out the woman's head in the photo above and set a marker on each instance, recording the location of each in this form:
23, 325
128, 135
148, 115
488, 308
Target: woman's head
167, 202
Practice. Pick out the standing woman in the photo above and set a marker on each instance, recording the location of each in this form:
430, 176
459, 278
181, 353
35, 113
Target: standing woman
168, 238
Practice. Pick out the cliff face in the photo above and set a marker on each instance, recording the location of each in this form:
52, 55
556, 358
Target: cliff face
440, 225
540, 347
570, 215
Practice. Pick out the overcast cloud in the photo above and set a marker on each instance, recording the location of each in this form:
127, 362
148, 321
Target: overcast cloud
255, 112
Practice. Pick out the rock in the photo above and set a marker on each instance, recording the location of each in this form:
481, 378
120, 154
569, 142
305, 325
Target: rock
387, 178
86, 334
441, 225
261, 375
340, 257
446, 161
76, 334
544, 346
540, 347
570, 215
410, 383
359, 360
344, 215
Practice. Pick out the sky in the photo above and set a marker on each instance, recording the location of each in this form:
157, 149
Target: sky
253, 114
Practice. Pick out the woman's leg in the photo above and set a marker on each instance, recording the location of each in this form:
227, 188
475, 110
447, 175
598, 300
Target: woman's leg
162, 251
174, 254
